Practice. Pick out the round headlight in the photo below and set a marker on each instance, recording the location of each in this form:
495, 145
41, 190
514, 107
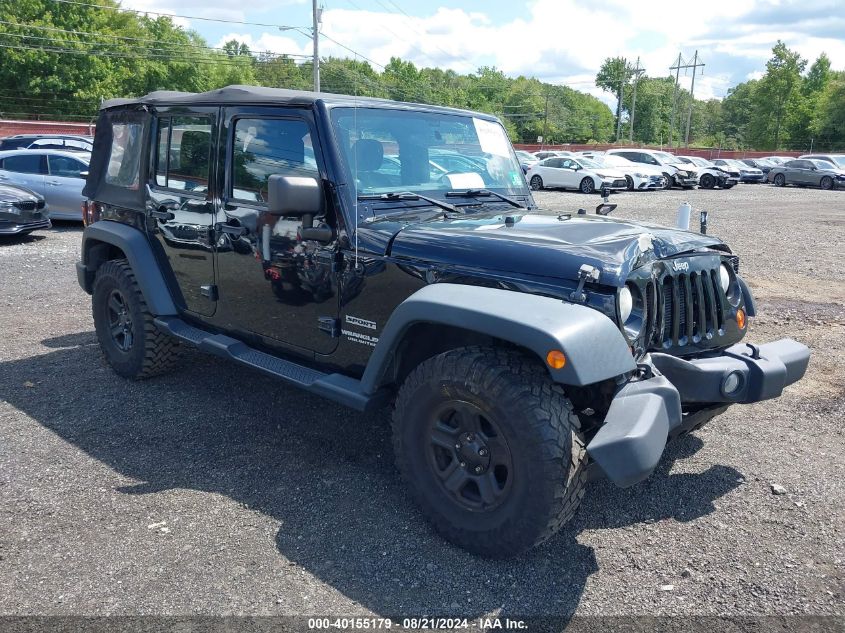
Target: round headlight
626, 304
724, 277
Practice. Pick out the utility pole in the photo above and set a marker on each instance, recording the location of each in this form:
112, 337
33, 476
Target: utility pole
315, 35
677, 69
545, 120
637, 72
621, 97
695, 66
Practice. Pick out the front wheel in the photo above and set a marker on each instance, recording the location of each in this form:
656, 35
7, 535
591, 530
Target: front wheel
667, 181
630, 182
536, 183
707, 181
780, 180
587, 185
826, 183
129, 339
491, 449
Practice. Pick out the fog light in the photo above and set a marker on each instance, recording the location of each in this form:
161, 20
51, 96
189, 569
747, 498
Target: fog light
731, 383
740, 318
556, 359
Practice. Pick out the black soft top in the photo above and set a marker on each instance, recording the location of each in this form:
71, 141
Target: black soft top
257, 95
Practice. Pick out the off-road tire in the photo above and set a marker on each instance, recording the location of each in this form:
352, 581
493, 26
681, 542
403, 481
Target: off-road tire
541, 430
826, 182
151, 352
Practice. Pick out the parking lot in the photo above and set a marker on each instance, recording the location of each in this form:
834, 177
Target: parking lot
216, 490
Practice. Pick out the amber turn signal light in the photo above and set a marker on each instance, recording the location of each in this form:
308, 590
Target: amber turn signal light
740, 318
556, 359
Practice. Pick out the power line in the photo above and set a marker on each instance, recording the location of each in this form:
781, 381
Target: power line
137, 39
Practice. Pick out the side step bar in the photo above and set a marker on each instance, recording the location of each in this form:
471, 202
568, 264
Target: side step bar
337, 387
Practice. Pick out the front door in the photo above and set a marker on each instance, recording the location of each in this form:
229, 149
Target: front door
180, 204
26, 169
273, 286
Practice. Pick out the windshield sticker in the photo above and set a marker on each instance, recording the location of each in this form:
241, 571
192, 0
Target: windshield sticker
491, 137
515, 179
469, 180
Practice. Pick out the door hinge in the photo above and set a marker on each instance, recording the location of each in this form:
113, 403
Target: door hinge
209, 291
329, 325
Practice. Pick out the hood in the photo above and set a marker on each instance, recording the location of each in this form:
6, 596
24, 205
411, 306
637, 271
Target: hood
545, 245
609, 172
13, 193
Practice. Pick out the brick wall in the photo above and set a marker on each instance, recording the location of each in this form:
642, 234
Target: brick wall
10, 127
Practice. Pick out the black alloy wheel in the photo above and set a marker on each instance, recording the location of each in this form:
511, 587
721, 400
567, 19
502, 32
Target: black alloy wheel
120, 321
707, 181
469, 456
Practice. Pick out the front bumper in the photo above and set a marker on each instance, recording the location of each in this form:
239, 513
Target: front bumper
13, 227
753, 178
645, 413
685, 181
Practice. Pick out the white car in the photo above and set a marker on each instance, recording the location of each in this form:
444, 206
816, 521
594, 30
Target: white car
677, 175
711, 175
640, 177
575, 172
543, 154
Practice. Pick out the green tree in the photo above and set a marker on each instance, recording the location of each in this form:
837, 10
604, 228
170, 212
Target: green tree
778, 94
613, 76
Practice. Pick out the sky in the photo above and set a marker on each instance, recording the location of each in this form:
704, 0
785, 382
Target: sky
558, 41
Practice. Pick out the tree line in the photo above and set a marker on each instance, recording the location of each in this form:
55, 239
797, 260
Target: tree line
791, 106
60, 60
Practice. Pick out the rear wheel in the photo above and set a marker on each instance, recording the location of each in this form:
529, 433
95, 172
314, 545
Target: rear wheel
536, 183
587, 185
826, 182
491, 449
129, 339
707, 181
780, 180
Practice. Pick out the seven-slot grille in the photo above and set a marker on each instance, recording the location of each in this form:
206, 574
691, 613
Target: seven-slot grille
685, 308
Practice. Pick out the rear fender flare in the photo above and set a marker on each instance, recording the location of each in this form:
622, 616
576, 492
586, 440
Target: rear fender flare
135, 246
594, 348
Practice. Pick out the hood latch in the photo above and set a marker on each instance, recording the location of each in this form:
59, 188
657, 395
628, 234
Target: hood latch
585, 273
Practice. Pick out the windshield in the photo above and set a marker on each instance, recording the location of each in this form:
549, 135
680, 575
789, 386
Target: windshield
589, 164
823, 164
839, 159
388, 150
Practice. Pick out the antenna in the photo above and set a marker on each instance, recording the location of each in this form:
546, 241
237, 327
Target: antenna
355, 161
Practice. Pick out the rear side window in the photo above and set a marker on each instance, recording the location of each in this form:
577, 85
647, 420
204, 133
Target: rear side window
183, 153
25, 164
125, 156
264, 147
66, 167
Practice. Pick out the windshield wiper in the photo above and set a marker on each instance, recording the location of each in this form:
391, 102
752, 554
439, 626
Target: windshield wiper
483, 193
409, 195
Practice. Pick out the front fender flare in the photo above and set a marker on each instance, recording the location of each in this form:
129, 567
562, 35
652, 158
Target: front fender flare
594, 347
135, 246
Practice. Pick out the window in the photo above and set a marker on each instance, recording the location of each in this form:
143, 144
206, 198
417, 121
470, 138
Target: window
66, 167
25, 163
74, 144
183, 151
125, 156
266, 147
47, 143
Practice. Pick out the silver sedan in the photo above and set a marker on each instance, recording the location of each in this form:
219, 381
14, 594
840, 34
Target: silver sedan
55, 174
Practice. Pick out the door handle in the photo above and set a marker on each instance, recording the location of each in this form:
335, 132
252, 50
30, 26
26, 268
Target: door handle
235, 230
162, 214
53, 183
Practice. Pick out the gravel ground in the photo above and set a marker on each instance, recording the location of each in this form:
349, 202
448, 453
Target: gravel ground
218, 491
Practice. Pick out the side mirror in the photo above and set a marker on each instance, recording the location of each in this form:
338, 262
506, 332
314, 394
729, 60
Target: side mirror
294, 195
83, 174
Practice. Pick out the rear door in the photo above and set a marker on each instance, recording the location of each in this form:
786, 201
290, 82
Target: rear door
26, 169
64, 184
180, 204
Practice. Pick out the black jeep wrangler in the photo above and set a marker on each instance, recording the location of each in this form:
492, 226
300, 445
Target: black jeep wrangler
380, 253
